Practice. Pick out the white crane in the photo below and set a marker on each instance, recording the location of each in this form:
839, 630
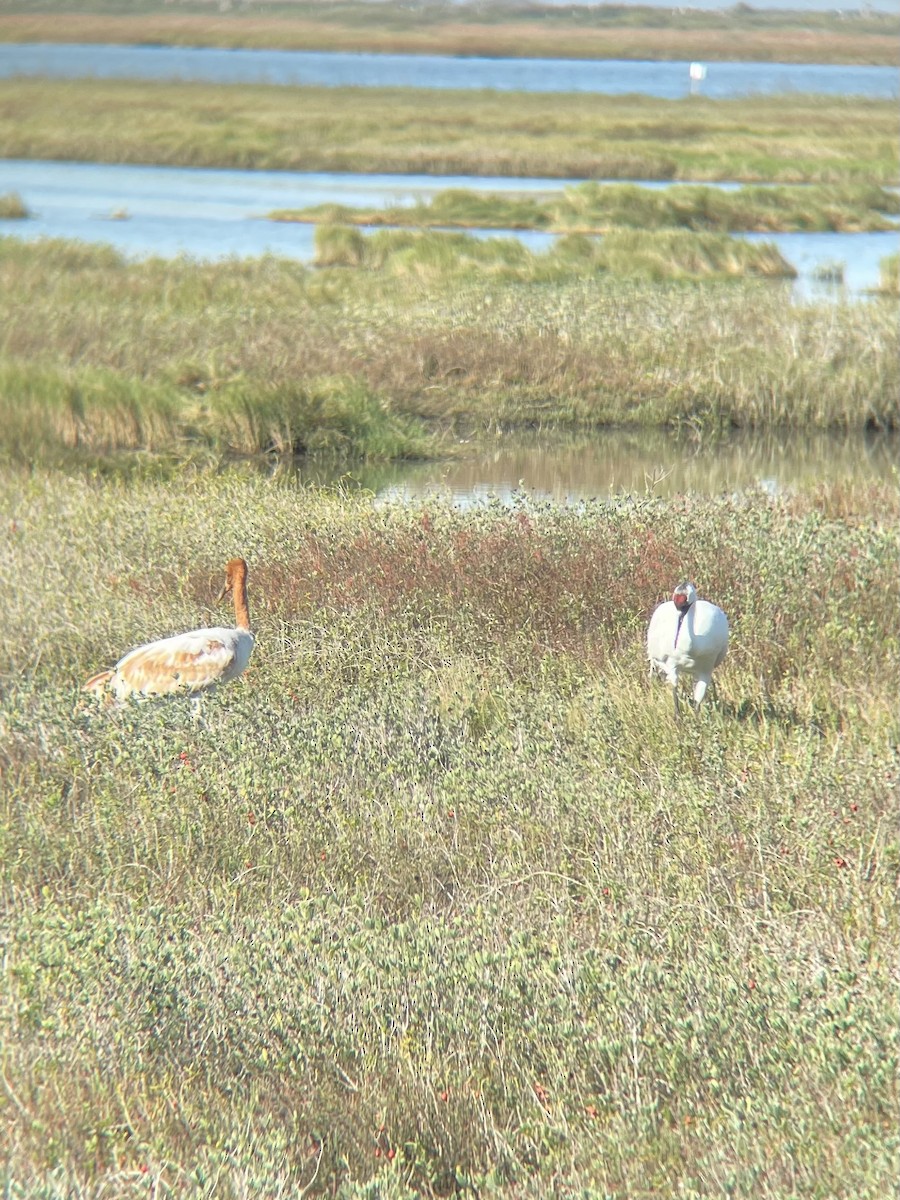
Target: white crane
188, 662
687, 636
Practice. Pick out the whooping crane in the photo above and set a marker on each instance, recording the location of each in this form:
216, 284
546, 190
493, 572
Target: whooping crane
688, 636
188, 662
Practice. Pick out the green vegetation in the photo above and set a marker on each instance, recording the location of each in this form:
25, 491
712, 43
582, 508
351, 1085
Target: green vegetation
504, 29
50, 411
438, 897
181, 358
889, 284
12, 207
811, 139
597, 208
626, 254
829, 272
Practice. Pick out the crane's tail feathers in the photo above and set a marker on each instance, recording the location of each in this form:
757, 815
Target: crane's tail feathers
98, 683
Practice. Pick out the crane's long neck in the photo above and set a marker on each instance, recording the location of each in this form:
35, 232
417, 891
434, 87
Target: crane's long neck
682, 614
241, 608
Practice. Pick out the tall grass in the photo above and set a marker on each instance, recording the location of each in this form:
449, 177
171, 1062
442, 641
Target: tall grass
889, 282
811, 139
439, 897
49, 411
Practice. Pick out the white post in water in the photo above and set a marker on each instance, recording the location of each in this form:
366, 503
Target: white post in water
698, 74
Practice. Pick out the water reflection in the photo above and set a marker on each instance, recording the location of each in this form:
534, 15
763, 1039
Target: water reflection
856, 256
603, 464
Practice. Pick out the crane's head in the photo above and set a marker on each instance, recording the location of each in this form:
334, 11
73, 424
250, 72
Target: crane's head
684, 596
235, 572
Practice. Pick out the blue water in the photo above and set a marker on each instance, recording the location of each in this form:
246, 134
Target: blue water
667, 80
215, 214
208, 214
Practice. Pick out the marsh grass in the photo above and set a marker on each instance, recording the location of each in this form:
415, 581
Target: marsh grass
678, 254
49, 412
598, 208
438, 897
626, 254
579, 31
831, 271
12, 207
270, 355
811, 139
889, 281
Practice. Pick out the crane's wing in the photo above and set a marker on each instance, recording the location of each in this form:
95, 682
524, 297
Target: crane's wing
188, 662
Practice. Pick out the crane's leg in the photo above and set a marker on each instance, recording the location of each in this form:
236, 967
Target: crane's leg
699, 692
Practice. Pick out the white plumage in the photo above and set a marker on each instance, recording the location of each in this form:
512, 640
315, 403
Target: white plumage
687, 636
188, 662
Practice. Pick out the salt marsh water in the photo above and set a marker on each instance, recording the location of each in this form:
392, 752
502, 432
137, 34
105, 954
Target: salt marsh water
212, 214
666, 80
570, 469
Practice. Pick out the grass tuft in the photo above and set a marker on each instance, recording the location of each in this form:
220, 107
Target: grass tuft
12, 207
889, 283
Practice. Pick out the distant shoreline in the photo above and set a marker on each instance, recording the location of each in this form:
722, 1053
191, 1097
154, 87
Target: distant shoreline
598, 32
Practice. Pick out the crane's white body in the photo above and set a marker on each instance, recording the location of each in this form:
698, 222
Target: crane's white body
187, 663
687, 636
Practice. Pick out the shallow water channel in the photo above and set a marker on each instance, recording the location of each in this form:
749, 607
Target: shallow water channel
215, 214
573, 468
